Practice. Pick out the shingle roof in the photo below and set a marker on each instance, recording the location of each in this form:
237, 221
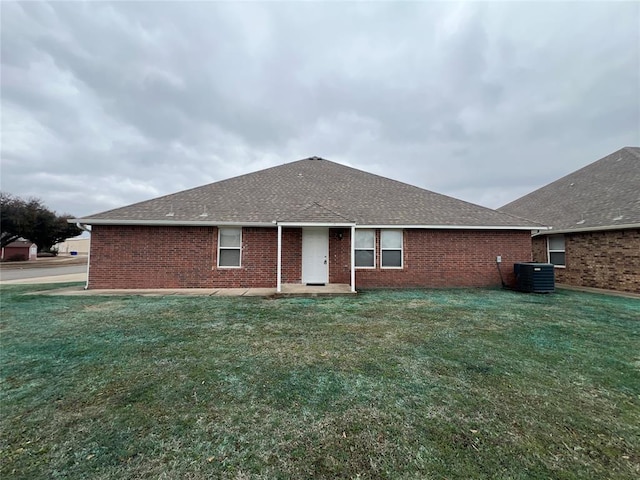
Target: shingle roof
309, 190
315, 213
19, 243
603, 194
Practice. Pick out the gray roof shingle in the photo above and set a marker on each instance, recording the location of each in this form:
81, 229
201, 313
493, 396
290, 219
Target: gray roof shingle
310, 190
604, 194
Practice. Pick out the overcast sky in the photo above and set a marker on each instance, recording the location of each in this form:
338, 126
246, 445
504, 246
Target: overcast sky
106, 104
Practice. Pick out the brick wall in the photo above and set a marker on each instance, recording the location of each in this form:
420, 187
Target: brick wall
185, 257
340, 255
451, 258
539, 249
608, 259
258, 265
15, 254
177, 257
291, 255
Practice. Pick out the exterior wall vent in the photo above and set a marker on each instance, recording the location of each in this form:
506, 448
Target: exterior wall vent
535, 277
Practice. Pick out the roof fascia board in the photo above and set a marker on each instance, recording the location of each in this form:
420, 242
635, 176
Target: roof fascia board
173, 223
551, 231
457, 227
187, 223
315, 224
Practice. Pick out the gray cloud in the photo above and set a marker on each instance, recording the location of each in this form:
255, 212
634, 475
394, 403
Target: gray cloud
104, 104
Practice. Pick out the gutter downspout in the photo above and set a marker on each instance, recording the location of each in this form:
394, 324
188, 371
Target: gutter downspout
279, 274
353, 259
81, 226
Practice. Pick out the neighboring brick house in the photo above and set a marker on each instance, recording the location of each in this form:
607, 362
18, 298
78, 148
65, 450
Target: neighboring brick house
594, 214
294, 224
19, 250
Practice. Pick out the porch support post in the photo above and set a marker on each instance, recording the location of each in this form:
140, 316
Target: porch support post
353, 258
279, 274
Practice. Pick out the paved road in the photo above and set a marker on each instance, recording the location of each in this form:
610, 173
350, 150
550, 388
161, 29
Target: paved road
19, 274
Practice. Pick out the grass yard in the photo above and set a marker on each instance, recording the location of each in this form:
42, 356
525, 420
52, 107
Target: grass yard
389, 384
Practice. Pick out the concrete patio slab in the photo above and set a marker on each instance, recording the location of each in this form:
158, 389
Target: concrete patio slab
288, 290
297, 289
257, 292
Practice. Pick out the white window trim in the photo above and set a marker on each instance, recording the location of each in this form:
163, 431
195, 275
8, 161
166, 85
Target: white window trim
229, 248
374, 249
549, 252
393, 249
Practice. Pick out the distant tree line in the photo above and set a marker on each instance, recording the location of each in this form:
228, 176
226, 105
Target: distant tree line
32, 220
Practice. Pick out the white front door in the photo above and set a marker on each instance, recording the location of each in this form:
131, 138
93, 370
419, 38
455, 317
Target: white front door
315, 255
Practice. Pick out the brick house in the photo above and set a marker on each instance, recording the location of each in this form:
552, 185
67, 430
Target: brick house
19, 250
594, 215
294, 224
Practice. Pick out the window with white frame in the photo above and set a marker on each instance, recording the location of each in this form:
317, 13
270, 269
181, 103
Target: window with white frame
391, 249
229, 247
365, 248
555, 244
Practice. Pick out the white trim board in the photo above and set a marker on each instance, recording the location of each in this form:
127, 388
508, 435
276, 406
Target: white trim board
213, 223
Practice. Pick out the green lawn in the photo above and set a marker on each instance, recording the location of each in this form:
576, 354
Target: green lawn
389, 384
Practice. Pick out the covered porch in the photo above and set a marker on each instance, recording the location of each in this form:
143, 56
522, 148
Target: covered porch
325, 255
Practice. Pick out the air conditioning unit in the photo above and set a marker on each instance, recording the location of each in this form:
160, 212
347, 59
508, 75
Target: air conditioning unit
535, 277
